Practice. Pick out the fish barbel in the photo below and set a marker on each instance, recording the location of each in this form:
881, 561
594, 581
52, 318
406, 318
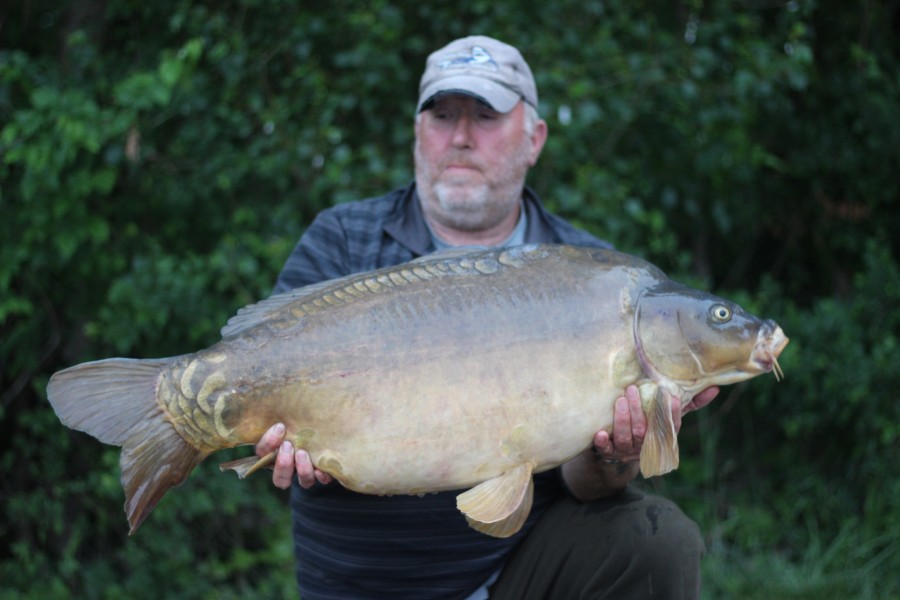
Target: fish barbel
467, 370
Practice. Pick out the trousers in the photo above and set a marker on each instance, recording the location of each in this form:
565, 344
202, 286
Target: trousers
628, 546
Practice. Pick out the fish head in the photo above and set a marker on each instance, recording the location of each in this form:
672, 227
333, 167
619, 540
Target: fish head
695, 339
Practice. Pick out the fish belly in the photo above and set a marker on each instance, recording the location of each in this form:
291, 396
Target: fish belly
451, 424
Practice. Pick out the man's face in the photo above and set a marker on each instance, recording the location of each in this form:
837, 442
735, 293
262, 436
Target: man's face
471, 161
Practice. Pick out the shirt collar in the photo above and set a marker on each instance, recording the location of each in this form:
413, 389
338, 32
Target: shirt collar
407, 224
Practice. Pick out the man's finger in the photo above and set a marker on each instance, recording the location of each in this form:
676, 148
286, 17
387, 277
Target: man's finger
638, 420
602, 442
271, 440
701, 399
622, 427
284, 466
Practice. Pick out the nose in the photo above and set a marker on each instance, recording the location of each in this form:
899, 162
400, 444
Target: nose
462, 131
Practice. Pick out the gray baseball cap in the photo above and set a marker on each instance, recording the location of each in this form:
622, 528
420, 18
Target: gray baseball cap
482, 67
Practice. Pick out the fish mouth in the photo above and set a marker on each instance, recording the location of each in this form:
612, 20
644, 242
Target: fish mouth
769, 344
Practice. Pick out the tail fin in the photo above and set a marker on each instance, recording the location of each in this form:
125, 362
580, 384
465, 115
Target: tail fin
115, 401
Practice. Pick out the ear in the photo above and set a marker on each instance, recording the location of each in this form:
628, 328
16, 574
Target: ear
538, 137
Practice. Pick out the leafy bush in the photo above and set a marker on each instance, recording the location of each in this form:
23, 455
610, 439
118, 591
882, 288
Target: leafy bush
159, 160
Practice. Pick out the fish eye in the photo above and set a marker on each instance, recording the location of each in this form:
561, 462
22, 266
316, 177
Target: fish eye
720, 313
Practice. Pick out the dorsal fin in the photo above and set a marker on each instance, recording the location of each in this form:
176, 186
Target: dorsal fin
253, 314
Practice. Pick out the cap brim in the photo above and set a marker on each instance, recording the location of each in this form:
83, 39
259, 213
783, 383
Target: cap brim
496, 96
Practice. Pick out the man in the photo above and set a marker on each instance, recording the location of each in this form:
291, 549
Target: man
589, 535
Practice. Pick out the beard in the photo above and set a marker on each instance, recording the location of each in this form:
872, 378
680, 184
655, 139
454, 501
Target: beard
467, 201
466, 206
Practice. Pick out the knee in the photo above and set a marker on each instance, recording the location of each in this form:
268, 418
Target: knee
657, 541
626, 546
660, 526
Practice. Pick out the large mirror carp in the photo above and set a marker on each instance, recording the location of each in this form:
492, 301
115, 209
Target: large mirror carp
467, 370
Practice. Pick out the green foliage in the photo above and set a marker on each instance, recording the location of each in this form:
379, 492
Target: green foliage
159, 160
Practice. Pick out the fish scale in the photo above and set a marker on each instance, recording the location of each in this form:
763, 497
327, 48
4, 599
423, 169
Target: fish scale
193, 392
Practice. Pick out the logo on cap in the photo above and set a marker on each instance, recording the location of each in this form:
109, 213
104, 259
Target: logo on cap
478, 57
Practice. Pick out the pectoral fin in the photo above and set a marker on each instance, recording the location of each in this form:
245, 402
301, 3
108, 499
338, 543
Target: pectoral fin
659, 454
499, 506
250, 465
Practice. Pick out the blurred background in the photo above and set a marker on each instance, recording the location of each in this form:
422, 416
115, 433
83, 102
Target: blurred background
159, 160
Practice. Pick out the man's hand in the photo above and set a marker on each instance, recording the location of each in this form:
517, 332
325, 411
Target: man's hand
287, 461
630, 424
613, 461
629, 428
697, 402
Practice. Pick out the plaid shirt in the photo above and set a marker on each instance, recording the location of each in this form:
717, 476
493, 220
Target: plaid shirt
389, 230
351, 545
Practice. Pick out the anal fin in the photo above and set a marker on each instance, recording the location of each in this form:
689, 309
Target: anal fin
500, 506
249, 465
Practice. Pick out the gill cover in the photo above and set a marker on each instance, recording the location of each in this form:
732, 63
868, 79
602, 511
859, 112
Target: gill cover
692, 338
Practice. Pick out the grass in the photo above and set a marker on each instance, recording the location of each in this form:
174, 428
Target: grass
850, 565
